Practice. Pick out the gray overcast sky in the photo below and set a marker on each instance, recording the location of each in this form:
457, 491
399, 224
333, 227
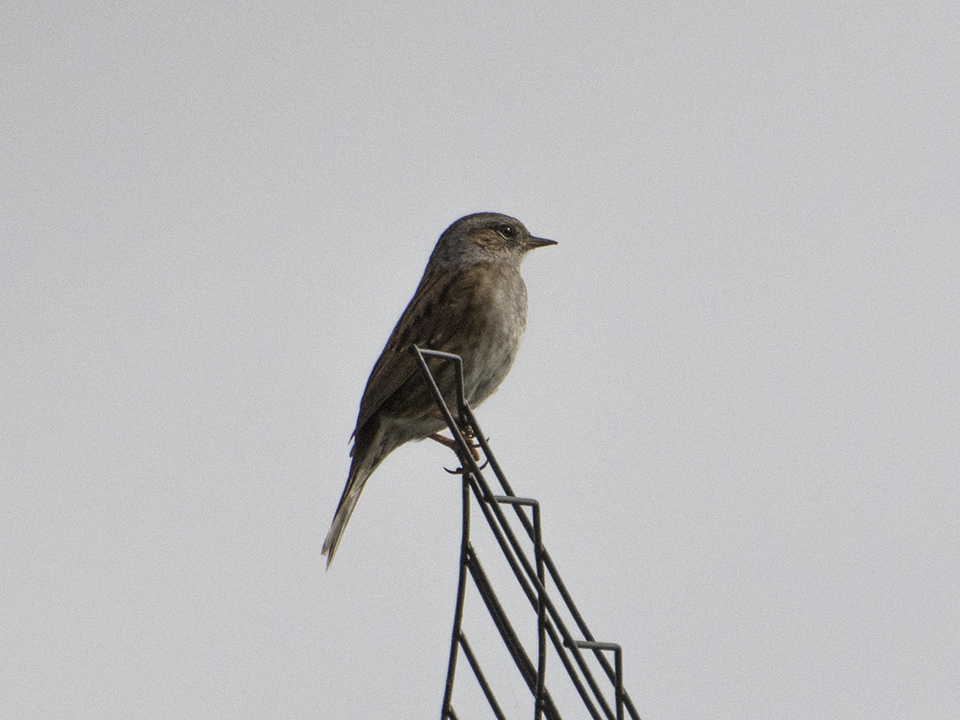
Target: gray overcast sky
737, 399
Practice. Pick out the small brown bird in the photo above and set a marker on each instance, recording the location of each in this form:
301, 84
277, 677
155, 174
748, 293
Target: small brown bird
471, 302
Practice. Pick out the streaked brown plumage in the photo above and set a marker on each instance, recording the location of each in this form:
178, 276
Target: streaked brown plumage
472, 302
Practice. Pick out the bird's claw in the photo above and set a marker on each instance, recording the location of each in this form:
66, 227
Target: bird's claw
463, 471
470, 437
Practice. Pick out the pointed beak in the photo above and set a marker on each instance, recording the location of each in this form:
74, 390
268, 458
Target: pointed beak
535, 242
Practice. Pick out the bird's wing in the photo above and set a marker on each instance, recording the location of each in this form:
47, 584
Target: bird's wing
437, 318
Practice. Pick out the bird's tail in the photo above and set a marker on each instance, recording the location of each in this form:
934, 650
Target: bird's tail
368, 452
344, 510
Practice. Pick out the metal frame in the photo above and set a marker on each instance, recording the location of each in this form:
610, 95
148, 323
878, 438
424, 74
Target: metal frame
573, 652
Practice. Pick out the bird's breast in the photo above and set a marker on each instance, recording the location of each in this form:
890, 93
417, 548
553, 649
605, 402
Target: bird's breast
500, 323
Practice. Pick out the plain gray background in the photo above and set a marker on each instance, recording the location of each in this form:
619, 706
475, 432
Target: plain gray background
737, 399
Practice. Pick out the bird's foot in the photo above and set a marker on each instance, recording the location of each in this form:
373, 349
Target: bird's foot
470, 437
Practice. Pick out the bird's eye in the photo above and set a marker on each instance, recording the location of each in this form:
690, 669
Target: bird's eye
507, 231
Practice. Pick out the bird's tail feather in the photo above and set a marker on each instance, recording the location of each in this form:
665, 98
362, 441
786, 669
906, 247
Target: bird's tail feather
368, 453
340, 520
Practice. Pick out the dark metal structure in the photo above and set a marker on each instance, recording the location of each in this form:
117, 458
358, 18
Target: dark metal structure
581, 656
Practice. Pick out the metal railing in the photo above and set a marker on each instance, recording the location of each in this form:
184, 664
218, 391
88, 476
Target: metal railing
579, 655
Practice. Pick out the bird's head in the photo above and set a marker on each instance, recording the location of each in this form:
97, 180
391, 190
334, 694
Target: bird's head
483, 238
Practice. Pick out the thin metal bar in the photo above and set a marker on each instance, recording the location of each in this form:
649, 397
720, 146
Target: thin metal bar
581, 623
618, 660
541, 611
495, 466
572, 673
541, 606
438, 396
481, 678
461, 593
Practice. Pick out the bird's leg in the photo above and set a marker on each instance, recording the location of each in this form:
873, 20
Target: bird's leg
470, 437
444, 440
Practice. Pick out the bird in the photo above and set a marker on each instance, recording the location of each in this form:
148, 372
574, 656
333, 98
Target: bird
471, 302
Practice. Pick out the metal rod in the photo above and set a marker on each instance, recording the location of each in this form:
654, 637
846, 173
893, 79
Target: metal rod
458, 612
541, 605
541, 611
481, 678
